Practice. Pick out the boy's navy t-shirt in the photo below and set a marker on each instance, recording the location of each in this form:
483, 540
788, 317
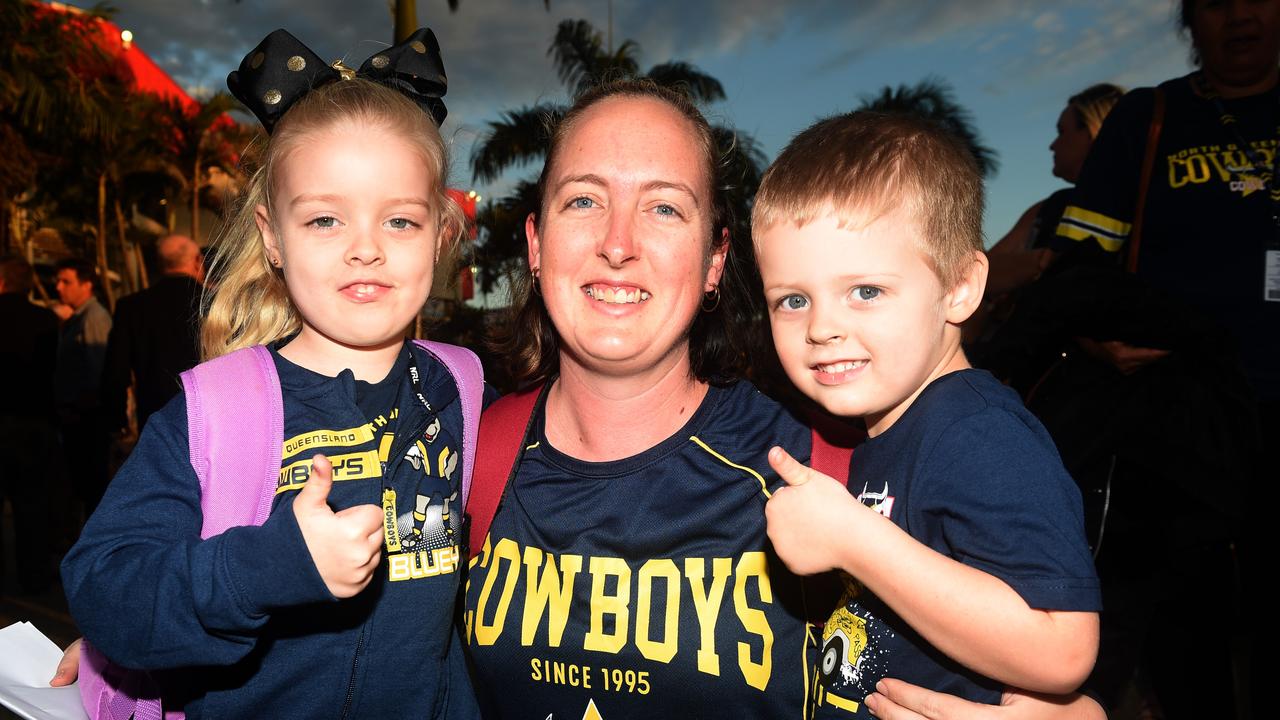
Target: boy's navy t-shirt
968, 471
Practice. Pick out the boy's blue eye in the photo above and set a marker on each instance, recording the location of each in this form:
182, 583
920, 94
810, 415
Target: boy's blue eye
794, 302
866, 292
666, 210
581, 203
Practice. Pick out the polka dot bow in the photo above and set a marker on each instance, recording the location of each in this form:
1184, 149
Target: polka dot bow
281, 69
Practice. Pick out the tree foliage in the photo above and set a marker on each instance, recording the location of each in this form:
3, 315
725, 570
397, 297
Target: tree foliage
933, 99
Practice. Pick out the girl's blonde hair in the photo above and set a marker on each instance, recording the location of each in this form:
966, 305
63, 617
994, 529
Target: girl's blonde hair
249, 303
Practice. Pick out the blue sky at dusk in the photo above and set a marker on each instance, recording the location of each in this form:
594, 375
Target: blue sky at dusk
783, 64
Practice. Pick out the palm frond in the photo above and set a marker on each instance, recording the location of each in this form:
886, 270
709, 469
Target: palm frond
517, 139
934, 100
685, 77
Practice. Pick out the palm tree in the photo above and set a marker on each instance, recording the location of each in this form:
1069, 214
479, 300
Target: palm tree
933, 99
519, 137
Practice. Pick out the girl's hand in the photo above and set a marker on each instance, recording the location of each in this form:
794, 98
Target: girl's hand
68, 666
809, 516
897, 700
345, 546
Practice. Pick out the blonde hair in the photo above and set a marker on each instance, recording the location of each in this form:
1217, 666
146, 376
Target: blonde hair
1093, 104
864, 165
251, 304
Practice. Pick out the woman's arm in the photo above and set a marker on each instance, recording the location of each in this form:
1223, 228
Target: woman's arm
898, 700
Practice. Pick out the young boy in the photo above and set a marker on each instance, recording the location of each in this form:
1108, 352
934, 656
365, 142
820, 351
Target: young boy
965, 542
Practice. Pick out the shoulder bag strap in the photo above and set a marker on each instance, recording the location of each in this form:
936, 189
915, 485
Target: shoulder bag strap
1144, 182
503, 428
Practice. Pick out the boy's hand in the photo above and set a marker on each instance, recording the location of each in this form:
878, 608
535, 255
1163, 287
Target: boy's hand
808, 517
345, 546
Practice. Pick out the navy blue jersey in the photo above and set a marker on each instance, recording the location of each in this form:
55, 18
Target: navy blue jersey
241, 624
968, 471
643, 587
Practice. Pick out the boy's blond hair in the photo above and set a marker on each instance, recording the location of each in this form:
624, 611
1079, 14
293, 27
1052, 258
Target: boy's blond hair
250, 304
864, 165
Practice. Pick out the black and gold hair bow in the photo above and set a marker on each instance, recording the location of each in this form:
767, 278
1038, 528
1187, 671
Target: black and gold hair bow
281, 69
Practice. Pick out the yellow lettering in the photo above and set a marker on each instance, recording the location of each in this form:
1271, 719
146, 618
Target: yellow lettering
665, 649
707, 605
754, 620
1177, 179
608, 605
481, 558
1220, 162
549, 593
1197, 169
488, 632
537, 669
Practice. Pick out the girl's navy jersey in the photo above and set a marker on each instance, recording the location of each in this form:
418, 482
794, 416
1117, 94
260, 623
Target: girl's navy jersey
643, 587
241, 624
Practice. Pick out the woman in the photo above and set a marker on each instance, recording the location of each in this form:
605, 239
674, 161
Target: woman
1022, 254
626, 572
1200, 239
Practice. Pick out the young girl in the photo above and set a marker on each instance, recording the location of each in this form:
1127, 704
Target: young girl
342, 602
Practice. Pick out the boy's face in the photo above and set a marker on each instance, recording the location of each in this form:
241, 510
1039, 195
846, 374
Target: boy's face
860, 319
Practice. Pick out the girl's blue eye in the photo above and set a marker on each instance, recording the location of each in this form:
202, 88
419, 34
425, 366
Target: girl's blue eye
402, 223
324, 222
794, 302
866, 292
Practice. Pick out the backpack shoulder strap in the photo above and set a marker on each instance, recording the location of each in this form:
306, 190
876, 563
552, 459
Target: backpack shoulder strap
833, 444
503, 428
468, 374
235, 427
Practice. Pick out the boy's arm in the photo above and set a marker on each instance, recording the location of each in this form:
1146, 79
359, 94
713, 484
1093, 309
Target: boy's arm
149, 593
815, 524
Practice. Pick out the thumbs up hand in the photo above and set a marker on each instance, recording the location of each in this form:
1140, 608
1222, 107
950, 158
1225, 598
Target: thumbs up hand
810, 517
345, 546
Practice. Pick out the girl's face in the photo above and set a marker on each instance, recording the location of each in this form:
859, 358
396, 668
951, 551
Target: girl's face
1071, 147
623, 243
353, 228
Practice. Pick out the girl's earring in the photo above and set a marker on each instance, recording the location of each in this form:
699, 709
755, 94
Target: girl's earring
537, 280
711, 300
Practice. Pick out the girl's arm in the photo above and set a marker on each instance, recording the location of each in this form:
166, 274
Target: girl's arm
973, 617
145, 589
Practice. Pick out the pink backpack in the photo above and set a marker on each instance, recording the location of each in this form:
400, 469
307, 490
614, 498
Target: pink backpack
226, 432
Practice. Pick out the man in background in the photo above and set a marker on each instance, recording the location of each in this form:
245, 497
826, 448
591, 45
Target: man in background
82, 349
154, 336
27, 358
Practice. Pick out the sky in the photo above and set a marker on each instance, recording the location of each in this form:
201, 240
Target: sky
783, 63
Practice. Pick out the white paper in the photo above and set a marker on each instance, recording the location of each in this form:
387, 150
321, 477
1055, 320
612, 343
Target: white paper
27, 660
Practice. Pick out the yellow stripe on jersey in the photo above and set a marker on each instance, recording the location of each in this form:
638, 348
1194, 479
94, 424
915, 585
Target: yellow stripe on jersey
1080, 225
327, 438
763, 487
842, 703
352, 466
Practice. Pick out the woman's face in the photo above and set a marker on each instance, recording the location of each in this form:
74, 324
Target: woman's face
623, 244
1238, 40
1071, 146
